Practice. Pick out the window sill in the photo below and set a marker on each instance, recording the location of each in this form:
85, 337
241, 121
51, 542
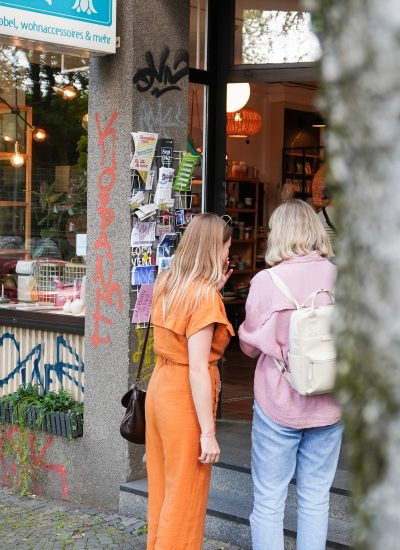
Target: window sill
42, 320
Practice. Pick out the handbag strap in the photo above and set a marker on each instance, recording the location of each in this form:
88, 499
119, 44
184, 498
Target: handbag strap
146, 337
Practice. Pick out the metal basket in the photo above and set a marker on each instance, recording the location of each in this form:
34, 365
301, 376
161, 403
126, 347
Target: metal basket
74, 272
45, 272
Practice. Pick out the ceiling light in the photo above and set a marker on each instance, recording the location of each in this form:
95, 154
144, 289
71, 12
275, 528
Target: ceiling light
318, 122
243, 124
237, 95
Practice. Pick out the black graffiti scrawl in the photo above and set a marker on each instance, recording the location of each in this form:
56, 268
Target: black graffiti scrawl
164, 79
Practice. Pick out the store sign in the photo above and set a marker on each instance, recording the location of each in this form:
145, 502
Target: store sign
86, 25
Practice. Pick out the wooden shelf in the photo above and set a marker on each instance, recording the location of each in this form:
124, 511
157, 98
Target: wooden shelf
7, 251
299, 154
243, 241
13, 203
243, 271
248, 210
299, 174
238, 178
238, 189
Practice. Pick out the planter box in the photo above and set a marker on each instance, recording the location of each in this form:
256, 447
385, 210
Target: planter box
56, 423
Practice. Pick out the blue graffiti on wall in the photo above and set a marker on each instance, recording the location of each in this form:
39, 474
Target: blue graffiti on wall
44, 376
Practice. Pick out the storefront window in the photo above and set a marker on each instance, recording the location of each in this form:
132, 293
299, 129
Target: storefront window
43, 178
198, 34
272, 32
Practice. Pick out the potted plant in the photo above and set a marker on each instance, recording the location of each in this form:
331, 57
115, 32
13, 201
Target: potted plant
54, 412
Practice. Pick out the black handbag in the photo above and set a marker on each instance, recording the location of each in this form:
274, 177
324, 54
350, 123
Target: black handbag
133, 425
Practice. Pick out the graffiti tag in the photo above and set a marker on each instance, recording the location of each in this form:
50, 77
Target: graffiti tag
41, 374
107, 289
166, 77
36, 458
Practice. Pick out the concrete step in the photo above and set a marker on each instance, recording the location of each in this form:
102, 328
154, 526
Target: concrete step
234, 480
228, 513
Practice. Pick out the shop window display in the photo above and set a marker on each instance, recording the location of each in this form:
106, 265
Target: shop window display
43, 179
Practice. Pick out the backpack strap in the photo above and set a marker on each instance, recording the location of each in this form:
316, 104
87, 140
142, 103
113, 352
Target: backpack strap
279, 283
283, 288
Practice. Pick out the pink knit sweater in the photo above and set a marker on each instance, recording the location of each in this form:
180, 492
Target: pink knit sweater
265, 332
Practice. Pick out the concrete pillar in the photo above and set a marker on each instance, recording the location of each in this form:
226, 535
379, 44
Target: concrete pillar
149, 32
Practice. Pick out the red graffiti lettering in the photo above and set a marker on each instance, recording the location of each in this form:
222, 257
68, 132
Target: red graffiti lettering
109, 286
103, 242
102, 134
107, 214
108, 290
109, 171
8, 474
3, 464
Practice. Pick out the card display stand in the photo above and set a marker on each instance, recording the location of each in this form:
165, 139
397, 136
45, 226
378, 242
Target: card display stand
154, 249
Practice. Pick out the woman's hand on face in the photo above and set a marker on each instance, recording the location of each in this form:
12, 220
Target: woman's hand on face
210, 450
226, 273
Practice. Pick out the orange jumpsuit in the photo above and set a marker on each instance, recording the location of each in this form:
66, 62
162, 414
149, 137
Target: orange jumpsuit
178, 482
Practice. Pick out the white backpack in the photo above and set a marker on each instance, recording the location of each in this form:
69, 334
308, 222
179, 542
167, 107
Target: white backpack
312, 355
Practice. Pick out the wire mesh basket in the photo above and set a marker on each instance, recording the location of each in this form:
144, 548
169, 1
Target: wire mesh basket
45, 272
74, 272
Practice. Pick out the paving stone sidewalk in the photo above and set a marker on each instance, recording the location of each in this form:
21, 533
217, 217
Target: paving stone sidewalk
35, 523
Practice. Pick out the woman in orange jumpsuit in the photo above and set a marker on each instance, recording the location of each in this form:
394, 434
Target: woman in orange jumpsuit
191, 332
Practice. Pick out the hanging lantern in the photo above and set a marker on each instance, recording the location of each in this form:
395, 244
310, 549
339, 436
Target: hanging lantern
243, 123
237, 95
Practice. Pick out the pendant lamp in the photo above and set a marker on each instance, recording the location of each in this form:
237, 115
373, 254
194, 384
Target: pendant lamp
237, 95
243, 124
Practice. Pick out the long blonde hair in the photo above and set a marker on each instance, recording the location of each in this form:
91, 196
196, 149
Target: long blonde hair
295, 228
197, 260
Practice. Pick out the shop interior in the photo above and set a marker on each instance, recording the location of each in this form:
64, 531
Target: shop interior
274, 148
43, 179
271, 156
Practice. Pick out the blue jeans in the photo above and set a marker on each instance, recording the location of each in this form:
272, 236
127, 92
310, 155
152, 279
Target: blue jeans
277, 452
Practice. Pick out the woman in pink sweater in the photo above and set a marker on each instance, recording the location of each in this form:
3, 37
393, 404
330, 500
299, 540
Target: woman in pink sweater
290, 433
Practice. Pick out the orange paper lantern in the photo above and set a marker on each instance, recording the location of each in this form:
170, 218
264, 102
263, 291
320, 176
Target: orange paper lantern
243, 123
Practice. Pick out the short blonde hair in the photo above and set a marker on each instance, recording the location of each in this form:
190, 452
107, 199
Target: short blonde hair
295, 228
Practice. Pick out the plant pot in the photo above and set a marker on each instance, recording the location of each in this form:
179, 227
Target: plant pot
68, 424
6, 411
64, 424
